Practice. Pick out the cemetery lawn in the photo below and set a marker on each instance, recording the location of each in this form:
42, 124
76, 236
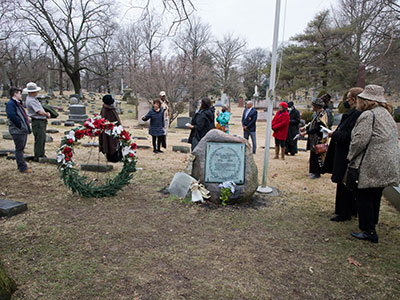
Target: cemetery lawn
144, 244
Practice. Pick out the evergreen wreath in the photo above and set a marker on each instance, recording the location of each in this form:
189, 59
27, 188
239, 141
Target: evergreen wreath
93, 127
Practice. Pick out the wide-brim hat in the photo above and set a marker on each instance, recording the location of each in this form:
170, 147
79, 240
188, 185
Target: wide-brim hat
162, 93
31, 87
283, 104
318, 102
373, 92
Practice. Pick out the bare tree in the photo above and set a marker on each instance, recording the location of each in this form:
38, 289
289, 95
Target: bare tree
152, 34
193, 42
226, 55
66, 27
254, 66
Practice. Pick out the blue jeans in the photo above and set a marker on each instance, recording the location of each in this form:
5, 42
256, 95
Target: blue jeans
20, 143
246, 134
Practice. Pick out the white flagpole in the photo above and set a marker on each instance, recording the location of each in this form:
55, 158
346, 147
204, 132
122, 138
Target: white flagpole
263, 188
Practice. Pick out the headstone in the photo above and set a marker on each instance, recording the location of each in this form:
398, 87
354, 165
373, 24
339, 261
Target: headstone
180, 184
47, 160
96, 168
262, 116
183, 149
77, 113
224, 99
69, 123
6, 136
2, 122
140, 138
52, 131
143, 109
185, 140
143, 147
3, 153
392, 194
10, 208
130, 111
181, 121
57, 123
260, 104
91, 145
240, 102
49, 138
245, 191
76, 96
26, 157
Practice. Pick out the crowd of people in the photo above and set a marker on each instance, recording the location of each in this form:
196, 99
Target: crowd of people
365, 142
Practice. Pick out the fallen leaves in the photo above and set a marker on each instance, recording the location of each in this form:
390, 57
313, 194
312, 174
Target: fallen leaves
353, 262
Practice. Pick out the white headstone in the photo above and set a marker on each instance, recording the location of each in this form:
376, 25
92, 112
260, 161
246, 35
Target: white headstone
180, 184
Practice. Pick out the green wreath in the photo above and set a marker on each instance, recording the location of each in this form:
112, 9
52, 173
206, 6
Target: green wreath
80, 184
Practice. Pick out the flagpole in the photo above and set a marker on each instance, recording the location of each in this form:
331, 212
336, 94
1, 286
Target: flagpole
263, 188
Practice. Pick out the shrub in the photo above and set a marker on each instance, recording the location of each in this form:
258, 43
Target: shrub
307, 116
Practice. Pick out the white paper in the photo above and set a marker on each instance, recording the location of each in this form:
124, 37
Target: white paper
196, 196
325, 131
187, 124
297, 136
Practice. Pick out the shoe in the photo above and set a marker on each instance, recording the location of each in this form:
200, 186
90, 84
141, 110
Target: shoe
160, 151
366, 236
340, 219
315, 176
155, 151
27, 171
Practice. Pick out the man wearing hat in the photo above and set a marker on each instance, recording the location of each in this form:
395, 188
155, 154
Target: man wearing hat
18, 126
39, 119
165, 107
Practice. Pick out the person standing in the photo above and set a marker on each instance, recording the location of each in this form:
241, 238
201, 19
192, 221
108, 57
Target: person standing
39, 119
328, 110
374, 150
315, 137
18, 127
336, 158
294, 114
223, 119
249, 119
202, 122
165, 107
107, 144
280, 126
156, 130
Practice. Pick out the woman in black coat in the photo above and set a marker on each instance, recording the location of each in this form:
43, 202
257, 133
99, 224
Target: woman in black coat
156, 130
202, 122
336, 161
294, 114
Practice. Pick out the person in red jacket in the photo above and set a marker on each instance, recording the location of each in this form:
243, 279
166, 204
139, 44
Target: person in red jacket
280, 126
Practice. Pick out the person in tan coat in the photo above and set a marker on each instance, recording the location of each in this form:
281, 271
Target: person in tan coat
374, 144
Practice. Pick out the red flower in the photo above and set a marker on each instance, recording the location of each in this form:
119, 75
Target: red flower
67, 159
125, 135
133, 146
130, 154
69, 154
89, 132
110, 126
70, 141
67, 149
79, 134
86, 124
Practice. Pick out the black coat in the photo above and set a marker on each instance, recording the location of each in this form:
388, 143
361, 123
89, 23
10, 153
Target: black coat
294, 122
336, 158
203, 122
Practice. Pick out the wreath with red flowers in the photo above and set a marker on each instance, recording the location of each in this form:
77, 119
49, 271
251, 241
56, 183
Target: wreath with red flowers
81, 185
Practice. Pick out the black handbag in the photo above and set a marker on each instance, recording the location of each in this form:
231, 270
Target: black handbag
352, 173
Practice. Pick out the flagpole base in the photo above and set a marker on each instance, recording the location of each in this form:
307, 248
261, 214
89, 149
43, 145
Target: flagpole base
264, 189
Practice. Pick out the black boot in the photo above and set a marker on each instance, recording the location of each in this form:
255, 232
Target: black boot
369, 235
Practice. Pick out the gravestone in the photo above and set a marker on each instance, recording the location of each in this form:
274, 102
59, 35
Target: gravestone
26, 157
143, 147
183, 149
96, 168
181, 121
47, 160
224, 160
140, 138
77, 113
180, 184
392, 194
57, 123
11, 208
143, 109
52, 131
7, 135
2, 122
185, 140
260, 104
49, 138
91, 144
262, 116
69, 123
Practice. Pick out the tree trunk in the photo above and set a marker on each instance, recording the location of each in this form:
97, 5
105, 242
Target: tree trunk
76, 81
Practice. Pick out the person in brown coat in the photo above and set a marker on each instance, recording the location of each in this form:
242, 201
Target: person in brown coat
375, 151
107, 144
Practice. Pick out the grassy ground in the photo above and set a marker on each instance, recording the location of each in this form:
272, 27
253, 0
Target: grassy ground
143, 244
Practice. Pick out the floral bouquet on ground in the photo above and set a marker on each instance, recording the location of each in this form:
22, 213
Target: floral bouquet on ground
227, 190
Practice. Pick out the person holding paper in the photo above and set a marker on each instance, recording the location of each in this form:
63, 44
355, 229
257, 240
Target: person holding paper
336, 159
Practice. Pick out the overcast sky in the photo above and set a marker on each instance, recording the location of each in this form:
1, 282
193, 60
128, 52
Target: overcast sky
254, 19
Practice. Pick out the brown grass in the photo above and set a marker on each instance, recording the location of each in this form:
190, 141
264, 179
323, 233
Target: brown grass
143, 244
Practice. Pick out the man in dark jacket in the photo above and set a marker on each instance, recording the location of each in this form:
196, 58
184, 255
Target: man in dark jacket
336, 158
202, 122
249, 119
294, 114
18, 126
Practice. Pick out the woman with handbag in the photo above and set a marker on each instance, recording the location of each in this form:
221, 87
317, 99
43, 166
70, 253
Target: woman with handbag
375, 156
336, 158
316, 143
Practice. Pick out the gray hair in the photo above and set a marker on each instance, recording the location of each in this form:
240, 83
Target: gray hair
250, 102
